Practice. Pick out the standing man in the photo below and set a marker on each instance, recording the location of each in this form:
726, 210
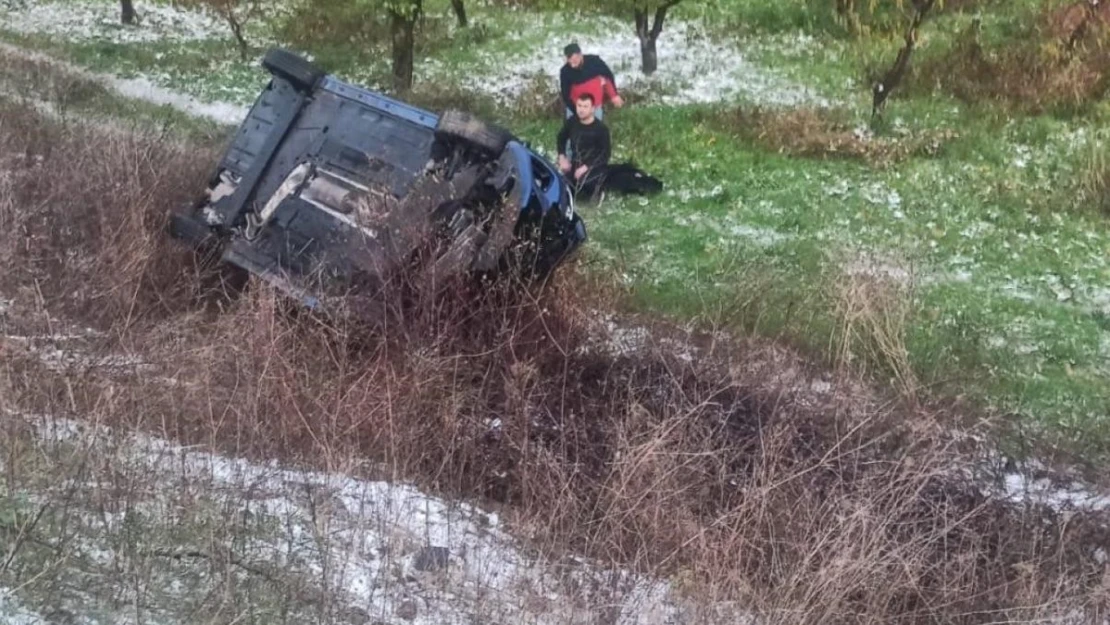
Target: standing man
587, 138
586, 73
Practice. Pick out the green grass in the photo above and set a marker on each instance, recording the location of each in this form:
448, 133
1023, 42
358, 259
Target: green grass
1010, 303
988, 237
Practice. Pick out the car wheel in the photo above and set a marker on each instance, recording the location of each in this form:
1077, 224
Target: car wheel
301, 73
462, 126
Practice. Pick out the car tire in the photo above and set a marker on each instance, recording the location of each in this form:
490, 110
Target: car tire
300, 72
463, 126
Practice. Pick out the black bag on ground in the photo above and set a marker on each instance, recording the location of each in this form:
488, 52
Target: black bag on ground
623, 178
628, 179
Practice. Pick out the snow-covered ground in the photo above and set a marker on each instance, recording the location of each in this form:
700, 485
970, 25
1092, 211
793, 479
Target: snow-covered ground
382, 548
693, 68
12, 611
100, 21
141, 88
1070, 495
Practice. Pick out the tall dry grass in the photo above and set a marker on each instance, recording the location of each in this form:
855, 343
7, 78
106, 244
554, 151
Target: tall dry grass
726, 474
1053, 66
825, 134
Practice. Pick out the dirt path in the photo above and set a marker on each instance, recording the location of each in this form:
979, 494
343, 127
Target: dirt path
139, 89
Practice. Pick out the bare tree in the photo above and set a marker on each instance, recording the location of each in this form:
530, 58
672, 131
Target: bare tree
403, 15
1093, 12
890, 80
236, 14
127, 13
648, 34
460, 12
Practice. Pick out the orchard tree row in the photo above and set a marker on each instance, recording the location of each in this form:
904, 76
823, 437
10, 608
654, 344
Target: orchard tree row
646, 18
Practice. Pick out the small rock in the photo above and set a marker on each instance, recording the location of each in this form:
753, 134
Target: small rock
407, 610
432, 559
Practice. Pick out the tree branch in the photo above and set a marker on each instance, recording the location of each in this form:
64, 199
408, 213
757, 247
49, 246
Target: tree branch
660, 15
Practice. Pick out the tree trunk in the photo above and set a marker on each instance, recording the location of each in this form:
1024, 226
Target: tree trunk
127, 12
460, 12
237, 31
402, 29
882, 89
649, 56
649, 35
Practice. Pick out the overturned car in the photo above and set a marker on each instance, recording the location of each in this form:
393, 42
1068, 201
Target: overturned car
327, 185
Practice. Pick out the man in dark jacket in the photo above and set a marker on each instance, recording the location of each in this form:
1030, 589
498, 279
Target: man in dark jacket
586, 139
586, 73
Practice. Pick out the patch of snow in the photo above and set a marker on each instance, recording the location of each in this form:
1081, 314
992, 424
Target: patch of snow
626, 340
820, 386
100, 21
878, 268
12, 611
683, 351
60, 360
616, 338
364, 538
1099, 298
764, 237
881, 195
143, 89
976, 230
961, 275
1017, 291
839, 188
1075, 495
692, 68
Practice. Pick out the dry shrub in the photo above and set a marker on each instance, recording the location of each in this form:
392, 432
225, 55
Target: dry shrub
1094, 181
539, 98
84, 211
724, 473
38, 79
873, 308
1039, 71
318, 23
823, 133
439, 97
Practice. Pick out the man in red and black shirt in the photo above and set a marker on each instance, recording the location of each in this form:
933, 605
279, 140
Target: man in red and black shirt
587, 74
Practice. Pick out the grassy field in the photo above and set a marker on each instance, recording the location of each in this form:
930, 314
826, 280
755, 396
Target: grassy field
977, 224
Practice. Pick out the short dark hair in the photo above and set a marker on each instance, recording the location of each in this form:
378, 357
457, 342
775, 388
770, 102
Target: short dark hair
586, 96
571, 50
